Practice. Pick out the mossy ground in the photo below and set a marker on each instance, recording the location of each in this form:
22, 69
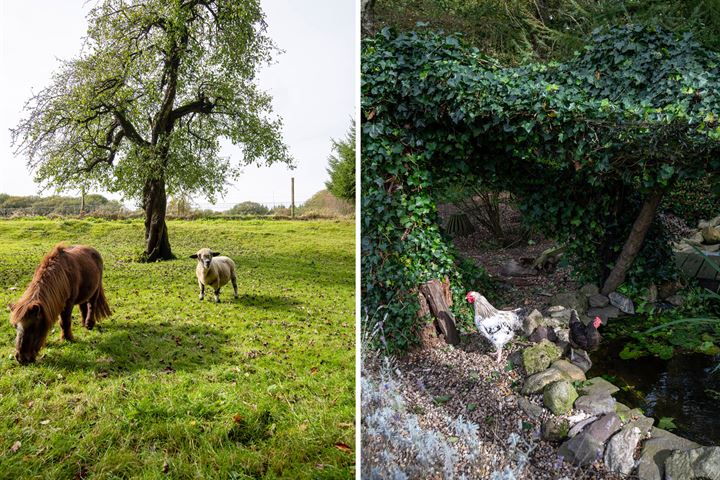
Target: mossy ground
171, 387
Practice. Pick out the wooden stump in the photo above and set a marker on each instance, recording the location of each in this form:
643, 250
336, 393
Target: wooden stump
436, 295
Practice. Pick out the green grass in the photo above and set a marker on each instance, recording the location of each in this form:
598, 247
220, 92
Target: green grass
172, 387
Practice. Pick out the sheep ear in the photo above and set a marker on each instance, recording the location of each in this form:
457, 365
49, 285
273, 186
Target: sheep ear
194, 255
215, 254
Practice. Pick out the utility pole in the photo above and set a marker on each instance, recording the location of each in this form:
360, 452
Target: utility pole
82, 200
292, 197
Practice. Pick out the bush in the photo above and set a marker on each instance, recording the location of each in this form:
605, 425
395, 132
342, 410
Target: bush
249, 208
325, 204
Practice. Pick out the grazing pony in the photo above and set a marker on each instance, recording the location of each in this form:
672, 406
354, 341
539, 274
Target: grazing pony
66, 277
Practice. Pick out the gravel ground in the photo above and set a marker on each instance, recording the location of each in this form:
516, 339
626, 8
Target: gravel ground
446, 382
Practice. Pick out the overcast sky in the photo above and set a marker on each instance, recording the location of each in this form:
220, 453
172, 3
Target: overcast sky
312, 83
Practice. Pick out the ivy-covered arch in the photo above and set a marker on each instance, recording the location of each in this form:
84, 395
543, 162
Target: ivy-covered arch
589, 145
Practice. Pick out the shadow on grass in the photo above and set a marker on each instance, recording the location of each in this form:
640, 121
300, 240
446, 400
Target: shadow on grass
124, 347
264, 302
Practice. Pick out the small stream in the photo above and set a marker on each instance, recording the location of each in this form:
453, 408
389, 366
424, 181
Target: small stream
681, 388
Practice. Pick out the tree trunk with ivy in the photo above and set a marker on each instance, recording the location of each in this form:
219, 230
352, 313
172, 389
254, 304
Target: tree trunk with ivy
634, 242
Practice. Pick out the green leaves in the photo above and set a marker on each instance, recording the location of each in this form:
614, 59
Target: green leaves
158, 84
580, 143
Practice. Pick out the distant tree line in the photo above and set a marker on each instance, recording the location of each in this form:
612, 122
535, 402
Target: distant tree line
322, 204
59, 205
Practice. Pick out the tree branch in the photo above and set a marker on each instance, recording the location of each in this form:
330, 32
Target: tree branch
201, 105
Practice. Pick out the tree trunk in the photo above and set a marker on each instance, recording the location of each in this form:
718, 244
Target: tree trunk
367, 16
634, 242
436, 297
157, 243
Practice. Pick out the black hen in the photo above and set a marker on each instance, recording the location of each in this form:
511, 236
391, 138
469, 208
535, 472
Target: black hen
583, 336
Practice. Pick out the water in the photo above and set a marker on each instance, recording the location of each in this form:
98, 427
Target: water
682, 388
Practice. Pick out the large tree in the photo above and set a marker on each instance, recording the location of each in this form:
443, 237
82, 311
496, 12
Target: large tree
341, 167
142, 109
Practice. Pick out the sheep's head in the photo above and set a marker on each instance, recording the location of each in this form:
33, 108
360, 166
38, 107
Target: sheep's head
204, 256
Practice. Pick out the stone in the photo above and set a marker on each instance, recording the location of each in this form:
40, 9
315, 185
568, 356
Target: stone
539, 357
676, 300
581, 450
570, 300
563, 345
703, 462
571, 372
531, 322
555, 308
620, 450
512, 268
554, 429
605, 313
580, 359
559, 397
578, 427
696, 239
589, 289
598, 301
563, 335
710, 235
604, 427
562, 317
536, 383
595, 404
543, 332
515, 358
623, 303
656, 450
714, 222
711, 248
531, 409
622, 410
642, 423
597, 385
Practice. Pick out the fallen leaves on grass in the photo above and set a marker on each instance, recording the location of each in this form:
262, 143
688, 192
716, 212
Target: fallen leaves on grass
15, 446
343, 447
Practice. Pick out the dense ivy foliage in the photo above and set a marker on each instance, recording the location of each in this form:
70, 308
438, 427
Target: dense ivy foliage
581, 143
694, 200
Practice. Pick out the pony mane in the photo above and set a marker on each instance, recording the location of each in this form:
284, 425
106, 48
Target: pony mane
48, 288
483, 307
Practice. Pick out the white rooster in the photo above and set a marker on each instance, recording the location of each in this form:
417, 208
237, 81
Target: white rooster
498, 326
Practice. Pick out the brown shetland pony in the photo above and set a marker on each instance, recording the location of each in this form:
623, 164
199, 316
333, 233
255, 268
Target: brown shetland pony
66, 277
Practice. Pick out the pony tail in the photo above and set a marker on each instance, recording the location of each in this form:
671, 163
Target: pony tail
100, 306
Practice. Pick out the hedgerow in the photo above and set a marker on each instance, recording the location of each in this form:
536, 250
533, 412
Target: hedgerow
581, 144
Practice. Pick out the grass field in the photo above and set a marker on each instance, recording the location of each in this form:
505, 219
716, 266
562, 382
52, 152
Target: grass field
172, 387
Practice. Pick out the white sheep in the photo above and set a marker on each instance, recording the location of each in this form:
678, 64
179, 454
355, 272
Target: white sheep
214, 271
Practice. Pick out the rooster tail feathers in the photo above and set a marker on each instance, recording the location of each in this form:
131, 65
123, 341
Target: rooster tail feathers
574, 316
